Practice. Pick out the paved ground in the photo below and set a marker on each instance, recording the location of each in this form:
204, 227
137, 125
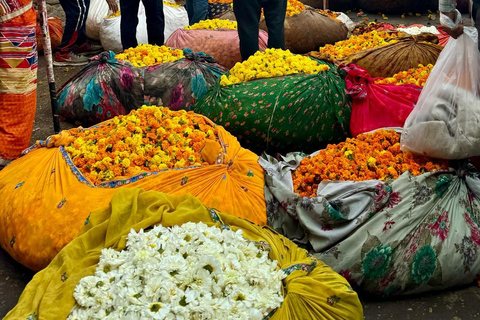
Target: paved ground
455, 304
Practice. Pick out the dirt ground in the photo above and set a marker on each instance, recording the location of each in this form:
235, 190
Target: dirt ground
454, 304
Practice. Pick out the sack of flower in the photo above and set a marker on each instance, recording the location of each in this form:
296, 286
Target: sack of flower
408, 52
176, 17
381, 217
277, 100
218, 7
151, 255
321, 29
382, 102
356, 43
105, 88
218, 38
48, 193
172, 77
55, 30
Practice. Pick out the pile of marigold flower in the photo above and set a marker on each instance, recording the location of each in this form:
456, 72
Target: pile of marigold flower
220, 1
417, 76
357, 43
373, 26
370, 156
148, 55
294, 7
114, 14
213, 24
329, 13
148, 139
172, 4
271, 63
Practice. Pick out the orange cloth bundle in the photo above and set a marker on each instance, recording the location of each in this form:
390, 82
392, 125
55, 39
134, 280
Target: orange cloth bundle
46, 199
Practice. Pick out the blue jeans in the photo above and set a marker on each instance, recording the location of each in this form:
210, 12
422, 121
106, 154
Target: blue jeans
197, 10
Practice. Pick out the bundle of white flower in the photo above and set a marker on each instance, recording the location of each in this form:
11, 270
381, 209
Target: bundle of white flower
417, 30
188, 272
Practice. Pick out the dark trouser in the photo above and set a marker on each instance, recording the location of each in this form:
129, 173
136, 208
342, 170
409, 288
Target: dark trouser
129, 22
247, 13
74, 32
197, 10
476, 18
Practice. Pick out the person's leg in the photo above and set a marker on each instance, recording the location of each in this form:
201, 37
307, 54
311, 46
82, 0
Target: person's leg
82, 33
129, 22
73, 22
247, 13
274, 11
155, 21
476, 18
200, 11
189, 8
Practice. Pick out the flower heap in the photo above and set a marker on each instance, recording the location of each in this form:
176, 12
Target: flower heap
220, 1
357, 43
213, 24
114, 14
148, 139
148, 55
329, 13
370, 156
418, 30
172, 4
294, 7
373, 26
417, 76
271, 63
185, 272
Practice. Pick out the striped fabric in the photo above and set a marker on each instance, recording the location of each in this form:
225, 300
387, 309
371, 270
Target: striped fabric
18, 76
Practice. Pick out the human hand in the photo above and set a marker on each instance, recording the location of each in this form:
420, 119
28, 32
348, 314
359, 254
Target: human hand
456, 31
112, 5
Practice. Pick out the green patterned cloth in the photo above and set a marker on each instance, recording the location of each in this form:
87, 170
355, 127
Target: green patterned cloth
404, 236
302, 112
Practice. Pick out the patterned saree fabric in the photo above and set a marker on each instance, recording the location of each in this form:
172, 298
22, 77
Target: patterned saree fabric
296, 111
44, 191
403, 236
18, 76
312, 289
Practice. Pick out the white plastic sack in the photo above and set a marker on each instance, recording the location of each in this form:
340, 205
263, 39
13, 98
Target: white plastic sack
347, 21
445, 123
175, 18
110, 31
97, 11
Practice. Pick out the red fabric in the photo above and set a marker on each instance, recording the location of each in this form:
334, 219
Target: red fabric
443, 37
377, 105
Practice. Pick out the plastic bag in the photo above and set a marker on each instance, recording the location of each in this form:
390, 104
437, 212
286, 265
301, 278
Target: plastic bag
377, 106
179, 84
105, 88
446, 120
110, 34
175, 18
97, 11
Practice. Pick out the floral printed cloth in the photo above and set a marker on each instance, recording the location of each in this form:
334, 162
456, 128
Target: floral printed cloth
404, 236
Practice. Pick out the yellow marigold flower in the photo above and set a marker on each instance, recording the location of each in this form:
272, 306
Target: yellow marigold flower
266, 65
213, 24
148, 55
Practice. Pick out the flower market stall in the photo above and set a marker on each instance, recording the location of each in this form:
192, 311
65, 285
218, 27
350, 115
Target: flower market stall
55, 186
383, 218
267, 98
127, 262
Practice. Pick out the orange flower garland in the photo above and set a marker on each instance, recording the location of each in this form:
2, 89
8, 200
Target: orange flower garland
370, 156
358, 43
148, 139
416, 76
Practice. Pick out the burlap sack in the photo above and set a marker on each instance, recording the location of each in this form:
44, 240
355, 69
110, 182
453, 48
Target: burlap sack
408, 52
309, 30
